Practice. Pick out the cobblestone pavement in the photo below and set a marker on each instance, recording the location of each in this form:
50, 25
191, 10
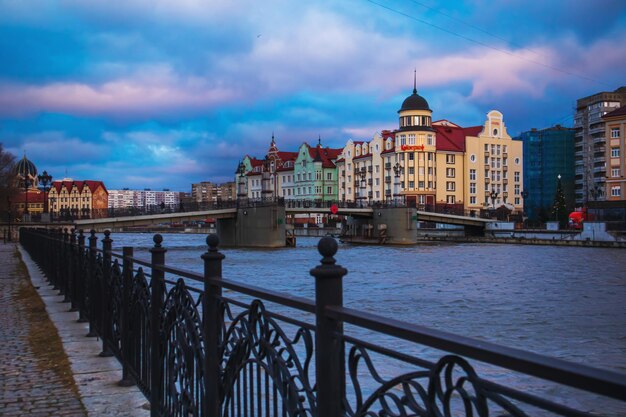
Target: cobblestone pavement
35, 375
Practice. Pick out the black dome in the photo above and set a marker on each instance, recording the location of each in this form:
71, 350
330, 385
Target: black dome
25, 168
414, 102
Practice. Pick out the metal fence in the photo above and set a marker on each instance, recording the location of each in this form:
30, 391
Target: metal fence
202, 345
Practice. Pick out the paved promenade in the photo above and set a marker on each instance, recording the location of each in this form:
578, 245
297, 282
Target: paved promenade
47, 365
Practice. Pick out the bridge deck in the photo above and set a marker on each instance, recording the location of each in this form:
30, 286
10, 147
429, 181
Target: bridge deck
156, 218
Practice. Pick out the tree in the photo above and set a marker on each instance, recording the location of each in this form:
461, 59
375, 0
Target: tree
559, 210
7, 184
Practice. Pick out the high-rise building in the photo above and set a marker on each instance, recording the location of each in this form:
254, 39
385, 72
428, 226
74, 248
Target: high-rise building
590, 143
208, 192
548, 154
143, 198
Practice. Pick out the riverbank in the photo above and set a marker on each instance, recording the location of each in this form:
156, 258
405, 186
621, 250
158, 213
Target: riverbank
521, 240
47, 364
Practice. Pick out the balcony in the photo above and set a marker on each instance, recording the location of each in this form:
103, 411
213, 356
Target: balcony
505, 194
369, 169
369, 181
505, 168
487, 167
487, 180
486, 153
505, 181
388, 165
388, 179
505, 154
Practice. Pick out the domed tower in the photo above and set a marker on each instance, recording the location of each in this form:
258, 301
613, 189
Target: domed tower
24, 171
416, 150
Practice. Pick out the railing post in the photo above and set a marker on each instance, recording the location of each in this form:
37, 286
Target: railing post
157, 290
81, 281
91, 290
73, 273
212, 326
64, 263
105, 296
127, 282
329, 345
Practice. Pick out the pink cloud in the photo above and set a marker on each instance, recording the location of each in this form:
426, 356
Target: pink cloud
145, 94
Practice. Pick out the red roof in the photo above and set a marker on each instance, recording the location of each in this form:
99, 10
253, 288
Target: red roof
33, 197
288, 156
68, 185
451, 137
325, 155
619, 112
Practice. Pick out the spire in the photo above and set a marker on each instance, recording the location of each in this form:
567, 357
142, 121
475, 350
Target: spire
415, 81
273, 141
319, 140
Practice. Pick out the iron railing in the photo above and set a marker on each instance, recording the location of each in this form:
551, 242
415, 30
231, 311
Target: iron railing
202, 345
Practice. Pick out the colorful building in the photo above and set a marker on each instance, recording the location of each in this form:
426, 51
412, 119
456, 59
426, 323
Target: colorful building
615, 154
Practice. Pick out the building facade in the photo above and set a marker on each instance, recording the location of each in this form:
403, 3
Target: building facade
143, 199
615, 128
548, 155
590, 143
494, 167
208, 192
78, 199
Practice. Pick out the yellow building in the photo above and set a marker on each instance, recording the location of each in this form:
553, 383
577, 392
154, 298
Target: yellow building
615, 122
416, 149
493, 173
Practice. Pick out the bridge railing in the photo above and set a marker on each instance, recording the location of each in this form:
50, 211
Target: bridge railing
202, 345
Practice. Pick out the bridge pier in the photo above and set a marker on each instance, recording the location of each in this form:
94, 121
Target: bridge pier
255, 226
395, 225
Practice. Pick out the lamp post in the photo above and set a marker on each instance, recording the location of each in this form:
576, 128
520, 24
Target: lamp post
493, 196
44, 180
26, 185
362, 175
241, 169
398, 170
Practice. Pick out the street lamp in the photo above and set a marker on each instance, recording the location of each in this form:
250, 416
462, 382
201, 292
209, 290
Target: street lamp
241, 170
398, 170
26, 185
44, 180
493, 196
362, 174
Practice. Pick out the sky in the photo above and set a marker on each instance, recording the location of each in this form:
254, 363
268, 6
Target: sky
162, 94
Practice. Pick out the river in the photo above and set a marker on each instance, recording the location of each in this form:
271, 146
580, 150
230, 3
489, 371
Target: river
565, 302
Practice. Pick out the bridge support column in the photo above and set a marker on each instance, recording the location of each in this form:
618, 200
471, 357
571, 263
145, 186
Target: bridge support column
395, 225
262, 226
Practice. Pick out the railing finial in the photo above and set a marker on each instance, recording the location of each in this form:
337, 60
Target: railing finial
157, 239
327, 247
213, 241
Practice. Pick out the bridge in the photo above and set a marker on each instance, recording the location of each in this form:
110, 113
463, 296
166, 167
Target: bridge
264, 223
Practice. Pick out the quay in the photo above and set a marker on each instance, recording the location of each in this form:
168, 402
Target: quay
48, 367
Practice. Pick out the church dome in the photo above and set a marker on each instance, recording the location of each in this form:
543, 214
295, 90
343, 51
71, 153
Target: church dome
414, 102
25, 168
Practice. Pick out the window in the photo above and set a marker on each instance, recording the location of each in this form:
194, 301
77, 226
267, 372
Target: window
472, 200
421, 184
472, 158
450, 186
486, 187
412, 139
378, 195
411, 157
431, 140
486, 147
402, 140
318, 189
517, 201
615, 172
614, 132
318, 175
450, 172
516, 160
472, 188
377, 169
450, 199
449, 159
516, 176
377, 181
329, 190
411, 184
614, 152
411, 171
421, 171
329, 175
516, 192
472, 175
616, 191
